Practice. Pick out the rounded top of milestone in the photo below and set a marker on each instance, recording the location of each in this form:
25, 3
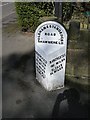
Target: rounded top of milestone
50, 32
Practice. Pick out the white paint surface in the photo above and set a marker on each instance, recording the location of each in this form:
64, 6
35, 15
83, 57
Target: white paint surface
50, 57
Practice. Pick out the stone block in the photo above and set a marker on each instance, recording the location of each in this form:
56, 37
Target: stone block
74, 30
69, 69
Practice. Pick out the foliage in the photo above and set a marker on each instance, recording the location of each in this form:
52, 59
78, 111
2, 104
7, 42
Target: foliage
29, 13
66, 11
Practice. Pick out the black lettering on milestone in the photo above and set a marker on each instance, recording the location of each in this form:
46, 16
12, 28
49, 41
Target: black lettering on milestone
51, 73
54, 26
54, 34
61, 40
45, 41
38, 38
40, 61
45, 33
40, 31
48, 34
44, 27
59, 30
51, 34
50, 62
50, 26
47, 26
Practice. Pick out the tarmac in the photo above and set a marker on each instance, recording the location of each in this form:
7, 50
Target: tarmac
22, 95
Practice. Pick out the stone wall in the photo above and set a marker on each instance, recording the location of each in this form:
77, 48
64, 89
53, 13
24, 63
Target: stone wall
77, 59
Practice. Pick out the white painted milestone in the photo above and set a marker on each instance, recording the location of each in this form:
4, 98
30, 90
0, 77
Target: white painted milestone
50, 54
